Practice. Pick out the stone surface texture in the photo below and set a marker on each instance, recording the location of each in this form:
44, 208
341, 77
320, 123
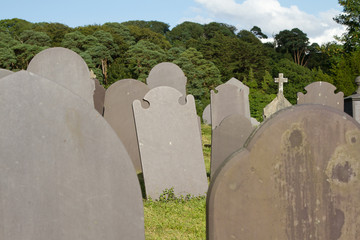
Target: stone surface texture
119, 113
64, 173
99, 96
66, 68
170, 144
297, 178
322, 93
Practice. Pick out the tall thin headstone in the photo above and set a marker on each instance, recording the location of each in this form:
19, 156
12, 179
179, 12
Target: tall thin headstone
245, 94
228, 137
119, 113
206, 116
280, 102
170, 144
295, 179
99, 96
64, 173
225, 101
322, 93
66, 68
168, 74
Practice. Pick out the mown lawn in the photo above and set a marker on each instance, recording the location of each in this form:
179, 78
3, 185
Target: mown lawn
173, 218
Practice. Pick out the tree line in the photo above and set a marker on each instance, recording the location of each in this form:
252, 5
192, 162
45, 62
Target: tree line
209, 54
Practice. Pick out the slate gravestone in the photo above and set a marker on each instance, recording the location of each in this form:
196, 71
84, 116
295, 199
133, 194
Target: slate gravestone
245, 101
119, 113
352, 103
225, 102
228, 137
66, 68
64, 173
295, 179
280, 102
168, 74
206, 116
99, 96
322, 93
5, 72
170, 144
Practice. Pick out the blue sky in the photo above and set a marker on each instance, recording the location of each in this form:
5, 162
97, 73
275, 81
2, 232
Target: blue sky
312, 17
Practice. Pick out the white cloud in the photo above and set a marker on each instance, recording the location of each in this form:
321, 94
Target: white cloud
271, 17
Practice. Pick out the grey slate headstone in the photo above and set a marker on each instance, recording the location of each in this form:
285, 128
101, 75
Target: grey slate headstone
228, 137
206, 116
227, 101
66, 68
168, 74
119, 113
322, 93
170, 144
245, 101
5, 72
99, 96
64, 173
297, 178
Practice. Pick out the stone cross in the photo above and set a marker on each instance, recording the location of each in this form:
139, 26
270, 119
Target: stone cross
281, 80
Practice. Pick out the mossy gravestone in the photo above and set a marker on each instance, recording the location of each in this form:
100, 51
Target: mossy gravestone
297, 178
170, 144
66, 68
64, 174
119, 113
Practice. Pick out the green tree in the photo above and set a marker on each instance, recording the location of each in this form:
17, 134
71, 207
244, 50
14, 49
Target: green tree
202, 76
212, 28
35, 38
56, 31
142, 57
147, 34
258, 33
185, 31
351, 19
294, 42
14, 26
155, 26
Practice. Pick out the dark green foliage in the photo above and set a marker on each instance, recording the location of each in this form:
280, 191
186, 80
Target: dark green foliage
56, 31
155, 26
351, 19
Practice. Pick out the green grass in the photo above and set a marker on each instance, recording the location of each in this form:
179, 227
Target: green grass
178, 218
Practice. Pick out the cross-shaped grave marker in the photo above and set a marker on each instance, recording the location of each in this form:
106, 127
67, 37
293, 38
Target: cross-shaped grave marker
281, 80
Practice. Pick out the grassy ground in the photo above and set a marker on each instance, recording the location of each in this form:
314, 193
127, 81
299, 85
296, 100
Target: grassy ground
173, 218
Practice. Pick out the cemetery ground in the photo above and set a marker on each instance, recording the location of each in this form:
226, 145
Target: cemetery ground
178, 218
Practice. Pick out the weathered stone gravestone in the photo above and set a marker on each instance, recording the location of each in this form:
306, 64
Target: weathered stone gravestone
297, 178
168, 74
5, 72
66, 68
225, 102
322, 93
170, 144
280, 102
99, 96
245, 101
352, 103
228, 137
119, 113
206, 116
64, 173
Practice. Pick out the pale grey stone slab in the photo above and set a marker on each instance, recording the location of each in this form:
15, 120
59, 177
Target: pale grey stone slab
297, 178
5, 72
227, 138
168, 74
66, 68
119, 113
322, 93
64, 174
99, 97
225, 102
170, 144
206, 116
245, 101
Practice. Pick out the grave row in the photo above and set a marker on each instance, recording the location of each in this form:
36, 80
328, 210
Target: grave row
70, 153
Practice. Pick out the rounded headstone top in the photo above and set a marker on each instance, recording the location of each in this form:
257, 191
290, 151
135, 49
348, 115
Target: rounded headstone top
166, 74
66, 68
